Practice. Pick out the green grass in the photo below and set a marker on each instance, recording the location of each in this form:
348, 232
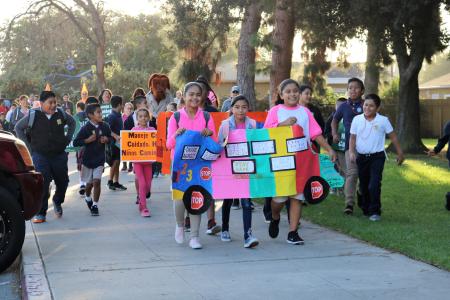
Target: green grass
414, 220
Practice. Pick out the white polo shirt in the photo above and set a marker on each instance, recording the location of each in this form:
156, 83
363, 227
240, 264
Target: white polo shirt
370, 135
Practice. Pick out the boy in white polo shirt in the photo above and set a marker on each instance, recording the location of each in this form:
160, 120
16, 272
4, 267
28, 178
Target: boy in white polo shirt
367, 136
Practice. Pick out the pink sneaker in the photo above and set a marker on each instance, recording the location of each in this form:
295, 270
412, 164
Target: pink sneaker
145, 213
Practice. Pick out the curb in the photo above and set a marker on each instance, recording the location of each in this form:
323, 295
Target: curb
33, 277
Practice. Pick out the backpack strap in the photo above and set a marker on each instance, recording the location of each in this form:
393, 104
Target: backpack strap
206, 116
63, 113
176, 115
31, 117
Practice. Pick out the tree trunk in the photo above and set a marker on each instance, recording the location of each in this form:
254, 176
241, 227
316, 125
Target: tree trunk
408, 112
101, 81
372, 72
283, 39
246, 67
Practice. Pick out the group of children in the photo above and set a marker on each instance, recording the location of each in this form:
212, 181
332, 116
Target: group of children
364, 134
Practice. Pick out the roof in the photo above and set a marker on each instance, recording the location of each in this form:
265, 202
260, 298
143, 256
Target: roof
439, 82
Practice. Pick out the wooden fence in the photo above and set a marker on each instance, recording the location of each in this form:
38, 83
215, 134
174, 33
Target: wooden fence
434, 114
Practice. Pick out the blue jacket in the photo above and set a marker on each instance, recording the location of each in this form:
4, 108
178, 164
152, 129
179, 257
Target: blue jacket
230, 124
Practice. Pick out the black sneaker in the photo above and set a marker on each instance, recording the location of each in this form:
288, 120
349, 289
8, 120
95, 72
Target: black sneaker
89, 202
58, 209
94, 211
187, 224
273, 228
348, 210
82, 190
119, 187
137, 199
148, 195
294, 239
213, 228
267, 218
111, 185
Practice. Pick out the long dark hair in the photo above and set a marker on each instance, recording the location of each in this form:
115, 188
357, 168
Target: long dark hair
282, 86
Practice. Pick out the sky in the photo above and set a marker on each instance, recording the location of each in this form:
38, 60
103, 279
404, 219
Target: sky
355, 50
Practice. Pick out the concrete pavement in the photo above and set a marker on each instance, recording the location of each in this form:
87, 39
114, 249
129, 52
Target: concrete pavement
121, 255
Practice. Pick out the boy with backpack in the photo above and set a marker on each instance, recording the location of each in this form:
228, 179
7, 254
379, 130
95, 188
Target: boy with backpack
93, 137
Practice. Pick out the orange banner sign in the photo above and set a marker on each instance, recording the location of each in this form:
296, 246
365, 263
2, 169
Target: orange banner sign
138, 146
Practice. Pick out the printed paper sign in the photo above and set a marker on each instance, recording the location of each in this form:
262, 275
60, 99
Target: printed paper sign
297, 145
210, 156
237, 150
138, 146
282, 163
106, 110
190, 152
243, 166
263, 147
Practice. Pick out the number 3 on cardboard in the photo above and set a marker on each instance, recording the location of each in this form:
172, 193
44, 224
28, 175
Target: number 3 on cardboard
189, 172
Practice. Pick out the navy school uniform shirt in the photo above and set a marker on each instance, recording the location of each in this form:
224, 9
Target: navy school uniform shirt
115, 122
347, 111
94, 153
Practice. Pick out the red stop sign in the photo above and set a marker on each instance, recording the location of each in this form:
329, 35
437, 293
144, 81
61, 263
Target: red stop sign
205, 173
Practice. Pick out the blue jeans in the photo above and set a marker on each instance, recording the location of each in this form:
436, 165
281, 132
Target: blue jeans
246, 215
52, 168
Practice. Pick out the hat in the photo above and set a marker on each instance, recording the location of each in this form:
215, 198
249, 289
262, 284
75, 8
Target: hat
236, 89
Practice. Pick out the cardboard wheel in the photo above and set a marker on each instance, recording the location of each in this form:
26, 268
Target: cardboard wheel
196, 199
316, 190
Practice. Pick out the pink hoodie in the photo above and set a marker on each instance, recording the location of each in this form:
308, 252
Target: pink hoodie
197, 124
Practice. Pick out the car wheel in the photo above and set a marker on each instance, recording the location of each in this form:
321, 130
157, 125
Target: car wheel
12, 229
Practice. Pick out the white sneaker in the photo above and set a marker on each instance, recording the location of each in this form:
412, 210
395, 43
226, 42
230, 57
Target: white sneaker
194, 243
179, 234
375, 218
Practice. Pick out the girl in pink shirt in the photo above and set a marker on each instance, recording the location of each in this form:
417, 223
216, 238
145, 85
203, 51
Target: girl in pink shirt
191, 118
143, 170
288, 114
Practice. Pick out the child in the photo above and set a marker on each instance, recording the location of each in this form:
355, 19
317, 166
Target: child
80, 116
127, 111
115, 122
172, 106
367, 136
143, 170
288, 114
238, 120
131, 122
346, 112
93, 137
181, 105
192, 118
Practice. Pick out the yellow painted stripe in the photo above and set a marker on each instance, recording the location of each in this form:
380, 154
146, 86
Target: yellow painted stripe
285, 181
177, 195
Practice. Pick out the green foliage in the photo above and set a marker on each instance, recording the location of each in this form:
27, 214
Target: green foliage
137, 47
199, 29
414, 218
389, 92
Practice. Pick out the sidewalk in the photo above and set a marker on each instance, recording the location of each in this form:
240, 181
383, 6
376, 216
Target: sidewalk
121, 255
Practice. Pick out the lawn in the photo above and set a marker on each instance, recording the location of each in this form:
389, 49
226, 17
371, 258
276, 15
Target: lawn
414, 219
